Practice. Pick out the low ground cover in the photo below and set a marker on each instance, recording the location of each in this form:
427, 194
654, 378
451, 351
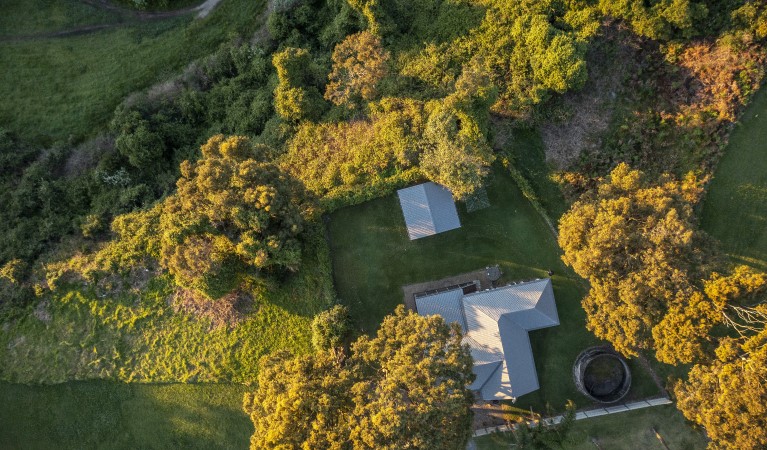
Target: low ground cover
89, 332
734, 210
108, 415
373, 259
28, 17
629, 430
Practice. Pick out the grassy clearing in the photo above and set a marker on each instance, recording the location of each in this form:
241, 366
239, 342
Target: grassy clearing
373, 258
54, 88
28, 17
108, 415
132, 337
735, 208
630, 430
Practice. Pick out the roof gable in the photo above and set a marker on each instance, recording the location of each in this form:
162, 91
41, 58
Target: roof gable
496, 324
428, 209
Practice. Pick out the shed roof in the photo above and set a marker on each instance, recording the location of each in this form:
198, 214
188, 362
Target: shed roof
496, 324
428, 209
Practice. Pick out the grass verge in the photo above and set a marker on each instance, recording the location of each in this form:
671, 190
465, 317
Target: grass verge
630, 430
107, 415
735, 208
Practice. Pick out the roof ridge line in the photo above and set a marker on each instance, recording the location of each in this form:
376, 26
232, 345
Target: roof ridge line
428, 202
499, 363
474, 294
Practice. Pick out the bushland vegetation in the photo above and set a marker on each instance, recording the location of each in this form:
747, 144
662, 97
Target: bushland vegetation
658, 284
213, 174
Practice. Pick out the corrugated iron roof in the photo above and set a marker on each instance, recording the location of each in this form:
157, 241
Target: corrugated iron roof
496, 324
428, 209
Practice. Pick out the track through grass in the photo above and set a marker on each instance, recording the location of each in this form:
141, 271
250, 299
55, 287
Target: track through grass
624, 431
61, 87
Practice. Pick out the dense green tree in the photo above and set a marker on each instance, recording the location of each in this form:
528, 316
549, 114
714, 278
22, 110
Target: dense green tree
136, 141
359, 64
330, 328
363, 151
300, 403
658, 19
233, 213
296, 97
728, 397
528, 49
455, 152
405, 388
751, 18
412, 392
637, 244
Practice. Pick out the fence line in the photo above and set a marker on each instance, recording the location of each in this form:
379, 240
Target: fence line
584, 414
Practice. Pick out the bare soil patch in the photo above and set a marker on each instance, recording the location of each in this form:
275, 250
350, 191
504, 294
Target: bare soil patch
588, 111
227, 311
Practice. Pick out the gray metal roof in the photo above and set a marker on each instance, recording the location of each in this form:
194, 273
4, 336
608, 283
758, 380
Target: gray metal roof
496, 324
446, 304
428, 209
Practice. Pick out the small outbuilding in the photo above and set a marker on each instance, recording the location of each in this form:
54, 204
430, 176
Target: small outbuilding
428, 209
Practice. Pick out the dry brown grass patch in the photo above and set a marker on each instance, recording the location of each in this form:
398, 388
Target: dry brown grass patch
227, 311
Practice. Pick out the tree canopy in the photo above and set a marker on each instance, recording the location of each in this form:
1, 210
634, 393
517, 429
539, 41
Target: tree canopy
359, 64
405, 388
296, 97
653, 288
233, 213
729, 396
637, 244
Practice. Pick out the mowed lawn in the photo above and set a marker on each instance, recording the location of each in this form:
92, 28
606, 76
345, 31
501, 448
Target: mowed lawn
107, 415
735, 208
625, 431
373, 258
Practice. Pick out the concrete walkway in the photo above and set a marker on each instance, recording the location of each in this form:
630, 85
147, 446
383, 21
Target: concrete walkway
585, 414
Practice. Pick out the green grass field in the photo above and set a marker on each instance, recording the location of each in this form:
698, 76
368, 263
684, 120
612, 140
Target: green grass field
30, 17
735, 208
60, 87
373, 258
107, 415
625, 431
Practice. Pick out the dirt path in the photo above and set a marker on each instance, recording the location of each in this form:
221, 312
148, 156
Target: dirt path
205, 9
123, 17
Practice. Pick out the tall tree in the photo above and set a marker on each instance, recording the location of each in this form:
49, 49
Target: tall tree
233, 213
412, 392
729, 396
455, 150
296, 97
301, 402
406, 388
359, 64
637, 244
